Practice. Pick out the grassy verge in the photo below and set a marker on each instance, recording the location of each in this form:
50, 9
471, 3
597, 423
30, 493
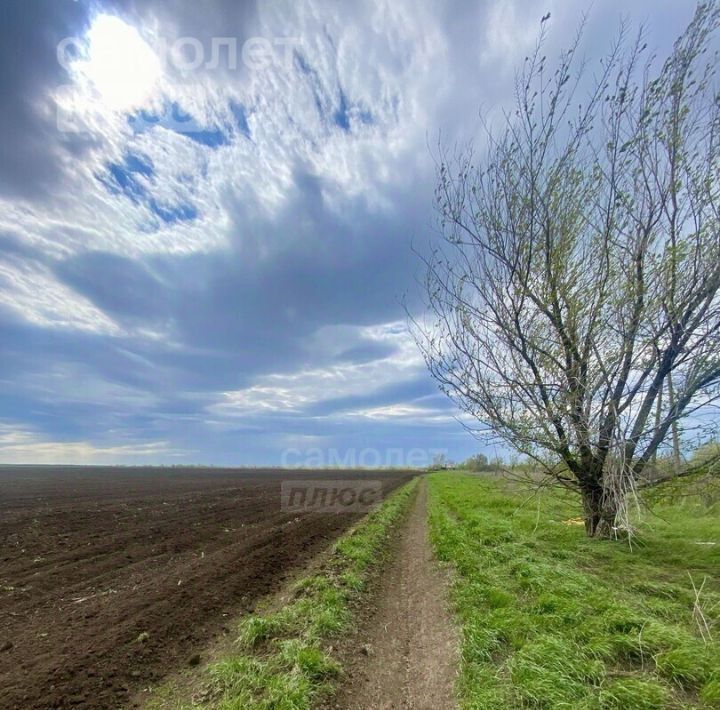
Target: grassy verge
281, 659
551, 619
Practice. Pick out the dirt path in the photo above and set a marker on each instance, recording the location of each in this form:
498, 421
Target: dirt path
407, 655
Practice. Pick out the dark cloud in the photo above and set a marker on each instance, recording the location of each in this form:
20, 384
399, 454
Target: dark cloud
366, 352
117, 285
29, 71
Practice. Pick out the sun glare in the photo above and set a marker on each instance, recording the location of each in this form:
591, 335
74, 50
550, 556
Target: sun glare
121, 65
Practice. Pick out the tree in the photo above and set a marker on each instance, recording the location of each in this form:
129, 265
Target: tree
577, 274
479, 462
439, 462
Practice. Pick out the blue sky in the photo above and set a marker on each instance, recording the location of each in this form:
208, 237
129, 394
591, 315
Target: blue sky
209, 264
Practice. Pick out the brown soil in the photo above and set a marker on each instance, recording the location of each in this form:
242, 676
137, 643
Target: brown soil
112, 578
405, 655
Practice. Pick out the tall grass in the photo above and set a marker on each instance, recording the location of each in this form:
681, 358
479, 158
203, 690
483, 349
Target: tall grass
551, 619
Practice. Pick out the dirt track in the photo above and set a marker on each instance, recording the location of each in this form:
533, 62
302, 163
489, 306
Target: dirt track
110, 578
406, 654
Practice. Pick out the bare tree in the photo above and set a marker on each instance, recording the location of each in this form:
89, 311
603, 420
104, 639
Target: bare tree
578, 271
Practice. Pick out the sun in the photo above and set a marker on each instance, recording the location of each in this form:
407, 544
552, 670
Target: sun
120, 65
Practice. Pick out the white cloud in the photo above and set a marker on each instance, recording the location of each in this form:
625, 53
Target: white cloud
510, 29
295, 392
20, 445
412, 413
33, 293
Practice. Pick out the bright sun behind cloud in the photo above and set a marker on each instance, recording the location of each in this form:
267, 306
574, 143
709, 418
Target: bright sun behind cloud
120, 65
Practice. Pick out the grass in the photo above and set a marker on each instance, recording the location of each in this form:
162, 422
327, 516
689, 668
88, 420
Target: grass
551, 619
282, 659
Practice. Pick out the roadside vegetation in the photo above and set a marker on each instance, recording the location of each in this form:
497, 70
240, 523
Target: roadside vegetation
552, 619
282, 658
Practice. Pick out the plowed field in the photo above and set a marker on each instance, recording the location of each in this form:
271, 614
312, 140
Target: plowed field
112, 577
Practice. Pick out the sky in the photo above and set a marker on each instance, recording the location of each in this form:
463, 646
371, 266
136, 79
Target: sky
209, 212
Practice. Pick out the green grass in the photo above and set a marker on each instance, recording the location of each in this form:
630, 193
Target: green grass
551, 619
281, 659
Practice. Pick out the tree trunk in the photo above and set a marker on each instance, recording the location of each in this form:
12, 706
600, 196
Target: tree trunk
599, 512
674, 429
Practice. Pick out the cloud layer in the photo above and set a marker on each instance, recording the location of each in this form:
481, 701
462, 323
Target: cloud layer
213, 269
